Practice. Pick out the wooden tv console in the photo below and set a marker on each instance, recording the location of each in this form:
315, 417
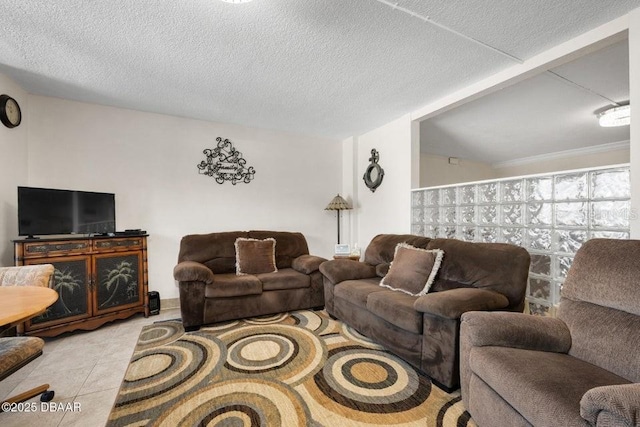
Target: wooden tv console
98, 279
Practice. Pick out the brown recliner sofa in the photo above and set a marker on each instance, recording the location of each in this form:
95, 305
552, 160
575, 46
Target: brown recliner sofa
424, 330
211, 291
579, 369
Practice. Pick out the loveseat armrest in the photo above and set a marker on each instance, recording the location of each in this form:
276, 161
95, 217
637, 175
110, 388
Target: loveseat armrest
339, 270
506, 329
191, 271
618, 404
452, 303
307, 264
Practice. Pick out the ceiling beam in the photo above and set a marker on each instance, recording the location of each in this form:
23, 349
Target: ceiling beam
591, 41
451, 30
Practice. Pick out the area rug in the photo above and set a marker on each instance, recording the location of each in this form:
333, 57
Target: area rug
297, 369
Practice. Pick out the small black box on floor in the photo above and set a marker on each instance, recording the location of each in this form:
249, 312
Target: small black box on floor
154, 303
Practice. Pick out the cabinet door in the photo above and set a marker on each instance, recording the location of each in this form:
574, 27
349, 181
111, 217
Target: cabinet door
118, 281
71, 281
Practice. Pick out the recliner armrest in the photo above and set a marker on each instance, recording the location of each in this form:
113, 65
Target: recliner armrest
518, 330
191, 271
307, 264
339, 270
452, 303
621, 402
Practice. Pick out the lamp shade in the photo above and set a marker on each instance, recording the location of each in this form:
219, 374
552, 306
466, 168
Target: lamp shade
337, 204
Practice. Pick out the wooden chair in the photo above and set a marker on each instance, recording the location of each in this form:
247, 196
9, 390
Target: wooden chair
27, 275
16, 352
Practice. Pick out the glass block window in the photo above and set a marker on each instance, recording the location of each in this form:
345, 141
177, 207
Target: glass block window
550, 215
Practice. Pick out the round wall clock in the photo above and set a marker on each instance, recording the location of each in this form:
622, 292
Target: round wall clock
10, 113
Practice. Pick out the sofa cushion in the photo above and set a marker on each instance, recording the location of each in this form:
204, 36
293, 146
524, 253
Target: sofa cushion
232, 285
27, 275
357, 291
286, 278
412, 270
603, 273
290, 245
255, 256
215, 250
340, 270
397, 309
15, 351
382, 269
383, 246
594, 340
501, 267
544, 387
191, 271
307, 264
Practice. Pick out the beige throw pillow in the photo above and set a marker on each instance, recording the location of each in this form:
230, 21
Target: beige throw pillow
255, 256
413, 270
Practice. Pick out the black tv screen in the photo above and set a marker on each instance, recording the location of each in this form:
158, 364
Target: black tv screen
45, 211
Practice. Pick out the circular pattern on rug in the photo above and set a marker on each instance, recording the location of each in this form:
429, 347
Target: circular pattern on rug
159, 334
356, 336
160, 374
240, 402
261, 352
268, 319
223, 326
257, 375
362, 382
287, 353
452, 413
313, 321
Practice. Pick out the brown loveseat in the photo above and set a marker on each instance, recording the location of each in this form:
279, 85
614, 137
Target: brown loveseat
211, 291
424, 330
579, 369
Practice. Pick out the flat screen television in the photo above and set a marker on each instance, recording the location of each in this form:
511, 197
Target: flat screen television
46, 211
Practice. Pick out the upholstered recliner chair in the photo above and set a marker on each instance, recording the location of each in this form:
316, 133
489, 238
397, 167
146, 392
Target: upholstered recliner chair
579, 369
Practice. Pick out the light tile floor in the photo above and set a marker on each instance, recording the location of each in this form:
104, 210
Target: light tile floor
84, 368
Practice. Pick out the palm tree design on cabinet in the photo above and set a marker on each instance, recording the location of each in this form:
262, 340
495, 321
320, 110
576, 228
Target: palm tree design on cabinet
119, 281
65, 282
69, 280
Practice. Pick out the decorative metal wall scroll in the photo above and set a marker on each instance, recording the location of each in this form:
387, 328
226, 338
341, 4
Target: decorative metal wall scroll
374, 173
225, 163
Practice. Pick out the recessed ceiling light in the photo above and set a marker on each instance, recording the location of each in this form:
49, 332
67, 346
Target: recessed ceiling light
616, 116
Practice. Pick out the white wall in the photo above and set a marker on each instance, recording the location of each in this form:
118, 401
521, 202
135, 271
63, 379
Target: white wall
634, 80
551, 164
13, 170
436, 170
350, 190
388, 209
149, 162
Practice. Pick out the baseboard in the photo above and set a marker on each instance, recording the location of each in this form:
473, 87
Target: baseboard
169, 303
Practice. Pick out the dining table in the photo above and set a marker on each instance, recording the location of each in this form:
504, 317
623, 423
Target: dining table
21, 303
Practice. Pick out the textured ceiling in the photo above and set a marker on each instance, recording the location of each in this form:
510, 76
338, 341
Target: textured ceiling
318, 67
550, 112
